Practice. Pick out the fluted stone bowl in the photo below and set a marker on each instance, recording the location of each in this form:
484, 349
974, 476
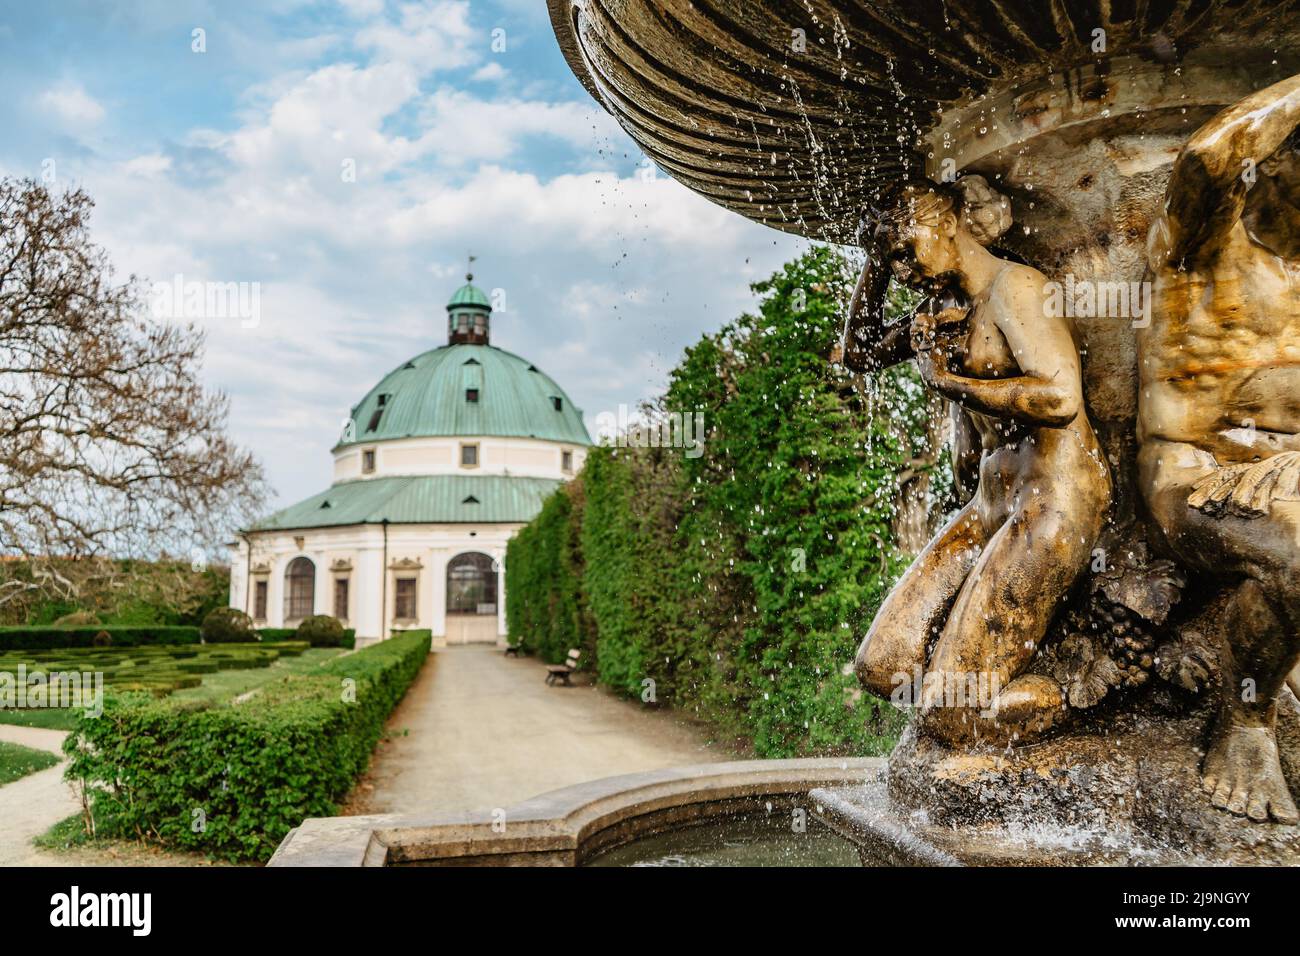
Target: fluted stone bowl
795, 112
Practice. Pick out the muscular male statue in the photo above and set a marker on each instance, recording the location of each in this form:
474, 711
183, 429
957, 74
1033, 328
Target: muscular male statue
1219, 415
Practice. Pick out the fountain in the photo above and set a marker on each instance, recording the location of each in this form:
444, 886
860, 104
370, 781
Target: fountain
1101, 201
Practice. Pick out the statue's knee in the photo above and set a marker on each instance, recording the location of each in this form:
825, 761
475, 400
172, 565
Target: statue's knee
879, 668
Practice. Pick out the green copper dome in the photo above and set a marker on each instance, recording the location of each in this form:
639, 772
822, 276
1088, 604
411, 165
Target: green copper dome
469, 296
466, 390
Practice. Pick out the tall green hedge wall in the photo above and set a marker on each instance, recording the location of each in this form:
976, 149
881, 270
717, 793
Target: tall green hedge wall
737, 584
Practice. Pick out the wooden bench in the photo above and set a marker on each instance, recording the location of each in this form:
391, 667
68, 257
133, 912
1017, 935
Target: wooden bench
514, 650
560, 673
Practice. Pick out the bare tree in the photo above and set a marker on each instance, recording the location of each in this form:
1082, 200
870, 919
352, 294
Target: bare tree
109, 444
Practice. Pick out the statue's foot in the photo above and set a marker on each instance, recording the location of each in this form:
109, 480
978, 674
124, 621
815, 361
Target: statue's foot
1018, 713
1243, 775
1030, 704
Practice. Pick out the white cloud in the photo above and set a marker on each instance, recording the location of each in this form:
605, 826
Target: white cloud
333, 114
72, 104
466, 129
489, 73
149, 166
362, 9
430, 36
607, 276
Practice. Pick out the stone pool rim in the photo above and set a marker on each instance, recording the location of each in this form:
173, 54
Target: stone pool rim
568, 826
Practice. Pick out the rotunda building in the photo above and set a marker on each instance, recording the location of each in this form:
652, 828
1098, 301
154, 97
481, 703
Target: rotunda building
438, 465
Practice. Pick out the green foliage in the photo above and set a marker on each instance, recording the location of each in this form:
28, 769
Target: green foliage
228, 625
630, 544
544, 567
40, 638
739, 582
348, 638
321, 630
119, 592
158, 669
232, 779
78, 619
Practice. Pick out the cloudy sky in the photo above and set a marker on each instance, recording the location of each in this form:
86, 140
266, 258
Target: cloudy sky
235, 164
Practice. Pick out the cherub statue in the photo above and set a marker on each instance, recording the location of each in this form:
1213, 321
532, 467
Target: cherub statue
1219, 416
973, 607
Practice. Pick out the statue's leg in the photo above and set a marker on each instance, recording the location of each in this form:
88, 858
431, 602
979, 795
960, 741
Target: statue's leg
912, 613
974, 688
1261, 625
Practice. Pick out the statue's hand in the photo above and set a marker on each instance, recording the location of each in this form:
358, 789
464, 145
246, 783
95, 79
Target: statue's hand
932, 363
923, 332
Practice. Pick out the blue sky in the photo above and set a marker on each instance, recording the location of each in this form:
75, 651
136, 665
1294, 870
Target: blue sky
226, 165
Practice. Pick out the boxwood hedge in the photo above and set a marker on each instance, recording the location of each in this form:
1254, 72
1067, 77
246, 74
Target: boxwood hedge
349, 639
25, 638
232, 779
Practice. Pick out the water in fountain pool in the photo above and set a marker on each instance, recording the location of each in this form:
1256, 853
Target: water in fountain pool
738, 841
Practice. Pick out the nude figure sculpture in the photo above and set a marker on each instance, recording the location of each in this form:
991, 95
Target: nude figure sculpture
971, 610
1219, 416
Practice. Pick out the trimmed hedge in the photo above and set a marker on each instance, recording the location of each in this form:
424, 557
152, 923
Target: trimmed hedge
22, 638
228, 625
546, 612
231, 780
735, 583
348, 641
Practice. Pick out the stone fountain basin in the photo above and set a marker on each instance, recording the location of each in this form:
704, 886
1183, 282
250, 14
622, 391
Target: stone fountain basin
570, 826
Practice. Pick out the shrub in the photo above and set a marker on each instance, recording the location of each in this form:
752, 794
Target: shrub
250, 772
78, 619
280, 634
737, 581
49, 638
102, 639
228, 625
547, 609
321, 630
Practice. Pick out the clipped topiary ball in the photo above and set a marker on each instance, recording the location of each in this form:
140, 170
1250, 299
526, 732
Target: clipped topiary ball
321, 630
227, 625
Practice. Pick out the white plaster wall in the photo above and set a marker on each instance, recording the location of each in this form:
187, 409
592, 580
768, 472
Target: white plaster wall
522, 457
363, 545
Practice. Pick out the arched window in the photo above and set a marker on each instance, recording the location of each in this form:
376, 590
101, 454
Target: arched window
471, 584
299, 589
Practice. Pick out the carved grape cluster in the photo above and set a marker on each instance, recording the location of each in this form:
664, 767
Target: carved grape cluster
1131, 642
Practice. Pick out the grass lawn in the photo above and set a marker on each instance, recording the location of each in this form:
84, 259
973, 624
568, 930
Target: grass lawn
48, 719
17, 761
223, 685
216, 687
69, 838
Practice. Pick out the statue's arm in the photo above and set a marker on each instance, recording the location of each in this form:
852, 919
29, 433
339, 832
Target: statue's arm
1208, 187
869, 343
966, 454
1049, 390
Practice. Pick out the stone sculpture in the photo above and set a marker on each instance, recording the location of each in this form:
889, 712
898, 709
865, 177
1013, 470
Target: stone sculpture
983, 593
1219, 416
1159, 473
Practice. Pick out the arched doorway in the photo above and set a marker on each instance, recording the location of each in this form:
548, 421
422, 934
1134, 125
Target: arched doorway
299, 590
472, 590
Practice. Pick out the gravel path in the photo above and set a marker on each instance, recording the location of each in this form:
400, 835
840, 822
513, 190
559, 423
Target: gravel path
30, 806
484, 731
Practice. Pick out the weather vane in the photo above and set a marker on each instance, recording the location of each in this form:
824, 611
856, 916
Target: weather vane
469, 269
